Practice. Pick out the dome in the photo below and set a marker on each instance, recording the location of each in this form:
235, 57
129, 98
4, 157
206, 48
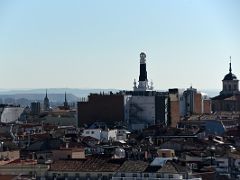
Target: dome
229, 77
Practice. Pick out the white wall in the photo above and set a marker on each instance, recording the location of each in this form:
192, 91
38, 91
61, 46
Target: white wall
11, 114
126, 108
147, 115
112, 134
95, 133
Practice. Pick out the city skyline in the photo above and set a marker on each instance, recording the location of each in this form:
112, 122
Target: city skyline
97, 44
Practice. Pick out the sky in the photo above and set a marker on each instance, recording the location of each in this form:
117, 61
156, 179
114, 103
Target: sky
96, 44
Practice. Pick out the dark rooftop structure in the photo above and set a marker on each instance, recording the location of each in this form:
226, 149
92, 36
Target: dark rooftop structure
98, 163
133, 166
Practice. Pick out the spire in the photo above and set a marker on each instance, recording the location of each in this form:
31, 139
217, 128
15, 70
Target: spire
65, 96
46, 103
65, 104
230, 65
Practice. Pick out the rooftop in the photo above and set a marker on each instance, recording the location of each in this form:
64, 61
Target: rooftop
99, 163
133, 166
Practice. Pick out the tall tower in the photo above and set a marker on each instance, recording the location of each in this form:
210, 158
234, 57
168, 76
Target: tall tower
230, 83
65, 104
143, 80
46, 104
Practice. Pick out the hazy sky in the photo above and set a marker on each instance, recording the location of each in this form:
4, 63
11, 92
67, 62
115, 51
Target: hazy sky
96, 43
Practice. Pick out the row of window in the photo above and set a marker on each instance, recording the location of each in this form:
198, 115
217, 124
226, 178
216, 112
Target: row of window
147, 175
88, 132
229, 87
77, 175
100, 176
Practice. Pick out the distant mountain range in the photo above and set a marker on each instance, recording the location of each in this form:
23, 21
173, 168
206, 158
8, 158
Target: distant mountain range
56, 95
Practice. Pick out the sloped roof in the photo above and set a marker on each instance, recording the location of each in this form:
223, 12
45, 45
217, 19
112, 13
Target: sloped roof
48, 144
172, 167
222, 96
99, 163
133, 166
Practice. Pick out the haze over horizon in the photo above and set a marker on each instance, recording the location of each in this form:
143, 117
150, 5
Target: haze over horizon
89, 44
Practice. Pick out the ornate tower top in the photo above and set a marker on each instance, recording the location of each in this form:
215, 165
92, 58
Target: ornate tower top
65, 96
143, 58
143, 80
230, 76
46, 94
230, 66
230, 82
65, 104
46, 105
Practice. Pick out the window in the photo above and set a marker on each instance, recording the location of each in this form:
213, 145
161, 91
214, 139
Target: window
99, 176
229, 87
146, 175
235, 87
88, 175
134, 175
122, 175
92, 132
164, 155
87, 132
159, 176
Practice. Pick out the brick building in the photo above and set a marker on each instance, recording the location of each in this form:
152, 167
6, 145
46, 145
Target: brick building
185, 103
108, 108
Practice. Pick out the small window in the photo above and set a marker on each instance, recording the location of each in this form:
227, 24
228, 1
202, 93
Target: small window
235, 87
164, 155
92, 132
146, 175
87, 132
134, 175
122, 175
